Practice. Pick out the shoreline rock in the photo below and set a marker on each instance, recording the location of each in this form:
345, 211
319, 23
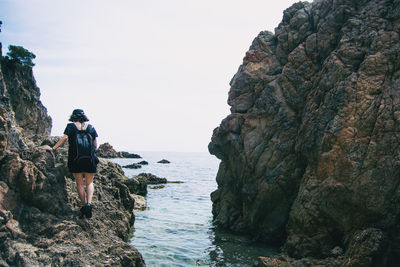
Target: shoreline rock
107, 151
138, 184
164, 161
133, 166
39, 206
309, 153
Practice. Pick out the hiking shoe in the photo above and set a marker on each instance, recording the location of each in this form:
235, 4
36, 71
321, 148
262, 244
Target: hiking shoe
83, 211
88, 210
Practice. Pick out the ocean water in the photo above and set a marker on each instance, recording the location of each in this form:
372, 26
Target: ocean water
177, 229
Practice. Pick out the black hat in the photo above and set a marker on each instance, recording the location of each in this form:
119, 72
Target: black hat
77, 112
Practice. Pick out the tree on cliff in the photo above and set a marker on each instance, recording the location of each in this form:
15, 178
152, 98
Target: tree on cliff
20, 55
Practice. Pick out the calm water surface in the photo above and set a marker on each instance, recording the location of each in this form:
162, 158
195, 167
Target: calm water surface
177, 230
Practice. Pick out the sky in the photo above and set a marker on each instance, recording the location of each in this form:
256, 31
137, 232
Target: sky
151, 75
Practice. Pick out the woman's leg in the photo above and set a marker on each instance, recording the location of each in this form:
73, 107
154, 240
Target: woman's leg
80, 186
89, 186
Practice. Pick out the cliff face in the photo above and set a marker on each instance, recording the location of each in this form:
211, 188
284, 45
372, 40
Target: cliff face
27, 120
39, 223
310, 152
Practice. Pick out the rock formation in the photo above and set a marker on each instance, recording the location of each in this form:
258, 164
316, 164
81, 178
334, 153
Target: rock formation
39, 204
138, 184
164, 161
133, 166
107, 151
310, 152
24, 119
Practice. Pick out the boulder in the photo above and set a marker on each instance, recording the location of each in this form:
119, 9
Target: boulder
107, 151
151, 178
164, 161
138, 184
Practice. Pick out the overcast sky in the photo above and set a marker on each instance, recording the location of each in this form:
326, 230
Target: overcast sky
151, 75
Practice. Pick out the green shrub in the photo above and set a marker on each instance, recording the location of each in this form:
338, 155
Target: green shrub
20, 55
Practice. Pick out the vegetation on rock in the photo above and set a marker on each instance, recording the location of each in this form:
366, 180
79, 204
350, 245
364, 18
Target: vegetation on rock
20, 55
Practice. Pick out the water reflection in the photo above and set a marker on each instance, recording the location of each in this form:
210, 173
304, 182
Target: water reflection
177, 230
235, 250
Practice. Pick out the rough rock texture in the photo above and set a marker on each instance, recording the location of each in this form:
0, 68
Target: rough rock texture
24, 120
124, 154
107, 151
138, 184
39, 204
133, 166
310, 152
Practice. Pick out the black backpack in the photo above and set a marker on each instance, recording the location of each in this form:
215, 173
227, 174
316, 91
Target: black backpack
84, 147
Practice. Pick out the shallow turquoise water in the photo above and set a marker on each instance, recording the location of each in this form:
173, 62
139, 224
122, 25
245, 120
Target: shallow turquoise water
177, 230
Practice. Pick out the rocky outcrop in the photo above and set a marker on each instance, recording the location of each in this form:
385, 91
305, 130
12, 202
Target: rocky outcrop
138, 184
124, 154
309, 154
107, 151
39, 222
133, 166
24, 120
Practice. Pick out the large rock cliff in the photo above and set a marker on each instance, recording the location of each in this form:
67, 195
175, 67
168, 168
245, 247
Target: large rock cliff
39, 222
25, 118
311, 150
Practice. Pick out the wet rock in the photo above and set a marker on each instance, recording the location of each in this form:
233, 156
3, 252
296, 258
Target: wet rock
151, 178
157, 186
133, 166
164, 161
143, 162
309, 153
138, 184
285, 261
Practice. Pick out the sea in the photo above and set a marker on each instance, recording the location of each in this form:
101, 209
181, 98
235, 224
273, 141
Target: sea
177, 229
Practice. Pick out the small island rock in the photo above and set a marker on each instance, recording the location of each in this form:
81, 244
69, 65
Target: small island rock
138, 184
164, 161
132, 166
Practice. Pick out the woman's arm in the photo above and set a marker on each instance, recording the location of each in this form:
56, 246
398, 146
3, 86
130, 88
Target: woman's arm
59, 143
95, 143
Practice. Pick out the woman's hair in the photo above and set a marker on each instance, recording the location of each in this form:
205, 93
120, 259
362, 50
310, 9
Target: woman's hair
78, 115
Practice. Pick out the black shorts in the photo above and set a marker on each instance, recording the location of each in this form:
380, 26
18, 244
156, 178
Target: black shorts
88, 166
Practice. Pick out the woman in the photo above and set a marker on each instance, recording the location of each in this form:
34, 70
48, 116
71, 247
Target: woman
81, 169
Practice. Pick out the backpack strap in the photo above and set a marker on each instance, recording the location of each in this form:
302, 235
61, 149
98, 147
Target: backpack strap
88, 128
